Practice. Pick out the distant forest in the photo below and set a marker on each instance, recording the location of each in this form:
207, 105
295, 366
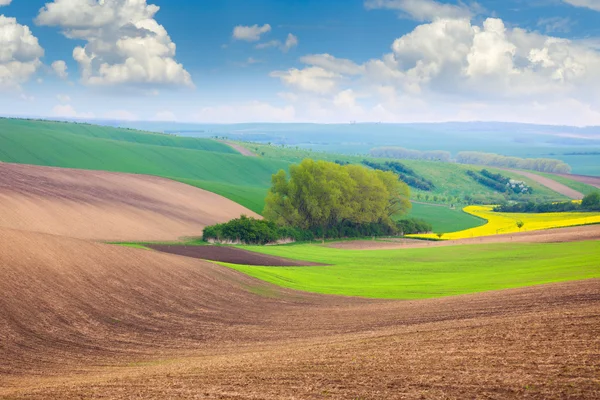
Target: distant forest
475, 158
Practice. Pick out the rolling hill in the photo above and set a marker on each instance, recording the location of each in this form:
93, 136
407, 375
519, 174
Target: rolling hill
216, 167
106, 205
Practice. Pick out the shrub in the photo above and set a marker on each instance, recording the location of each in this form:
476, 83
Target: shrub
413, 226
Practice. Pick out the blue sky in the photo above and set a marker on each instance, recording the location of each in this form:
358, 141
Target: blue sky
226, 61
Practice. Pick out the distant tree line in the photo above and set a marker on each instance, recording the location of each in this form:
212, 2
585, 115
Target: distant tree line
408, 154
591, 202
496, 160
499, 182
406, 174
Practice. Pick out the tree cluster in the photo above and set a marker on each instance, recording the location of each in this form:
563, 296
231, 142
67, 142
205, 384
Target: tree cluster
407, 154
496, 160
406, 174
591, 202
249, 230
321, 196
499, 182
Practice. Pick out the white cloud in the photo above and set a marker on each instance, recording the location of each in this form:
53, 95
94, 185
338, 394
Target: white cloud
290, 42
331, 63
5, 2
250, 33
124, 43
592, 4
311, 79
422, 10
67, 111
20, 53
254, 111
454, 69
63, 98
60, 69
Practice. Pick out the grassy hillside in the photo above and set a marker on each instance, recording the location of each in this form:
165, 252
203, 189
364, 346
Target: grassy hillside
450, 179
444, 219
210, 164
216, 167
50, 129
429, 272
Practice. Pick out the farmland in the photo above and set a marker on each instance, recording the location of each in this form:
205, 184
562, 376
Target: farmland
216, 167
429, 272
81, 318
503, 223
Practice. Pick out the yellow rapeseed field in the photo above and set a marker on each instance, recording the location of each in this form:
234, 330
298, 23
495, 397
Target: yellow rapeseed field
501, 223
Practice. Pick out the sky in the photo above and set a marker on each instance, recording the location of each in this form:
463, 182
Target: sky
335, 61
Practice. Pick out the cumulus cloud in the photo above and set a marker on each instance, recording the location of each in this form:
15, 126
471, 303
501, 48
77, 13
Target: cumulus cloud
592, 4
250, 33
311, 79
5, 2
422, 10
124, 42
60, 69
460, 69
290, 42
20, 53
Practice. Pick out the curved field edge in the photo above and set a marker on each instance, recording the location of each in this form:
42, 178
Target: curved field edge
443, 218
503, 223
429, 272
573, 184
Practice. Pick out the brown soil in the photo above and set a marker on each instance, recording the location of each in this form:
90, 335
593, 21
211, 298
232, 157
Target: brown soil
230, 255
590, 180
240, 149
82, 320
549, 183
560, 235
106, 206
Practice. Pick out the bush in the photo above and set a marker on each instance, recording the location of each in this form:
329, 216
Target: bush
413, 226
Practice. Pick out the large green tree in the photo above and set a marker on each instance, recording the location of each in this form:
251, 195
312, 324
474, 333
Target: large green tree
320, 194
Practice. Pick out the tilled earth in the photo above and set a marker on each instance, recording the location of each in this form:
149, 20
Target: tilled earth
230, 255
82, 320
559, 235
106, 205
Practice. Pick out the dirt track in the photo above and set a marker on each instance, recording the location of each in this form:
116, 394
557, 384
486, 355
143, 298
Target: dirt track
230, 255
106, 206
86, 320
572, 234
240, 149
590, 180
549, 183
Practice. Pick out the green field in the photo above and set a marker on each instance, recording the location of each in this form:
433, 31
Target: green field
450, 179
444, 219
429, 272
216, 167
205, 163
